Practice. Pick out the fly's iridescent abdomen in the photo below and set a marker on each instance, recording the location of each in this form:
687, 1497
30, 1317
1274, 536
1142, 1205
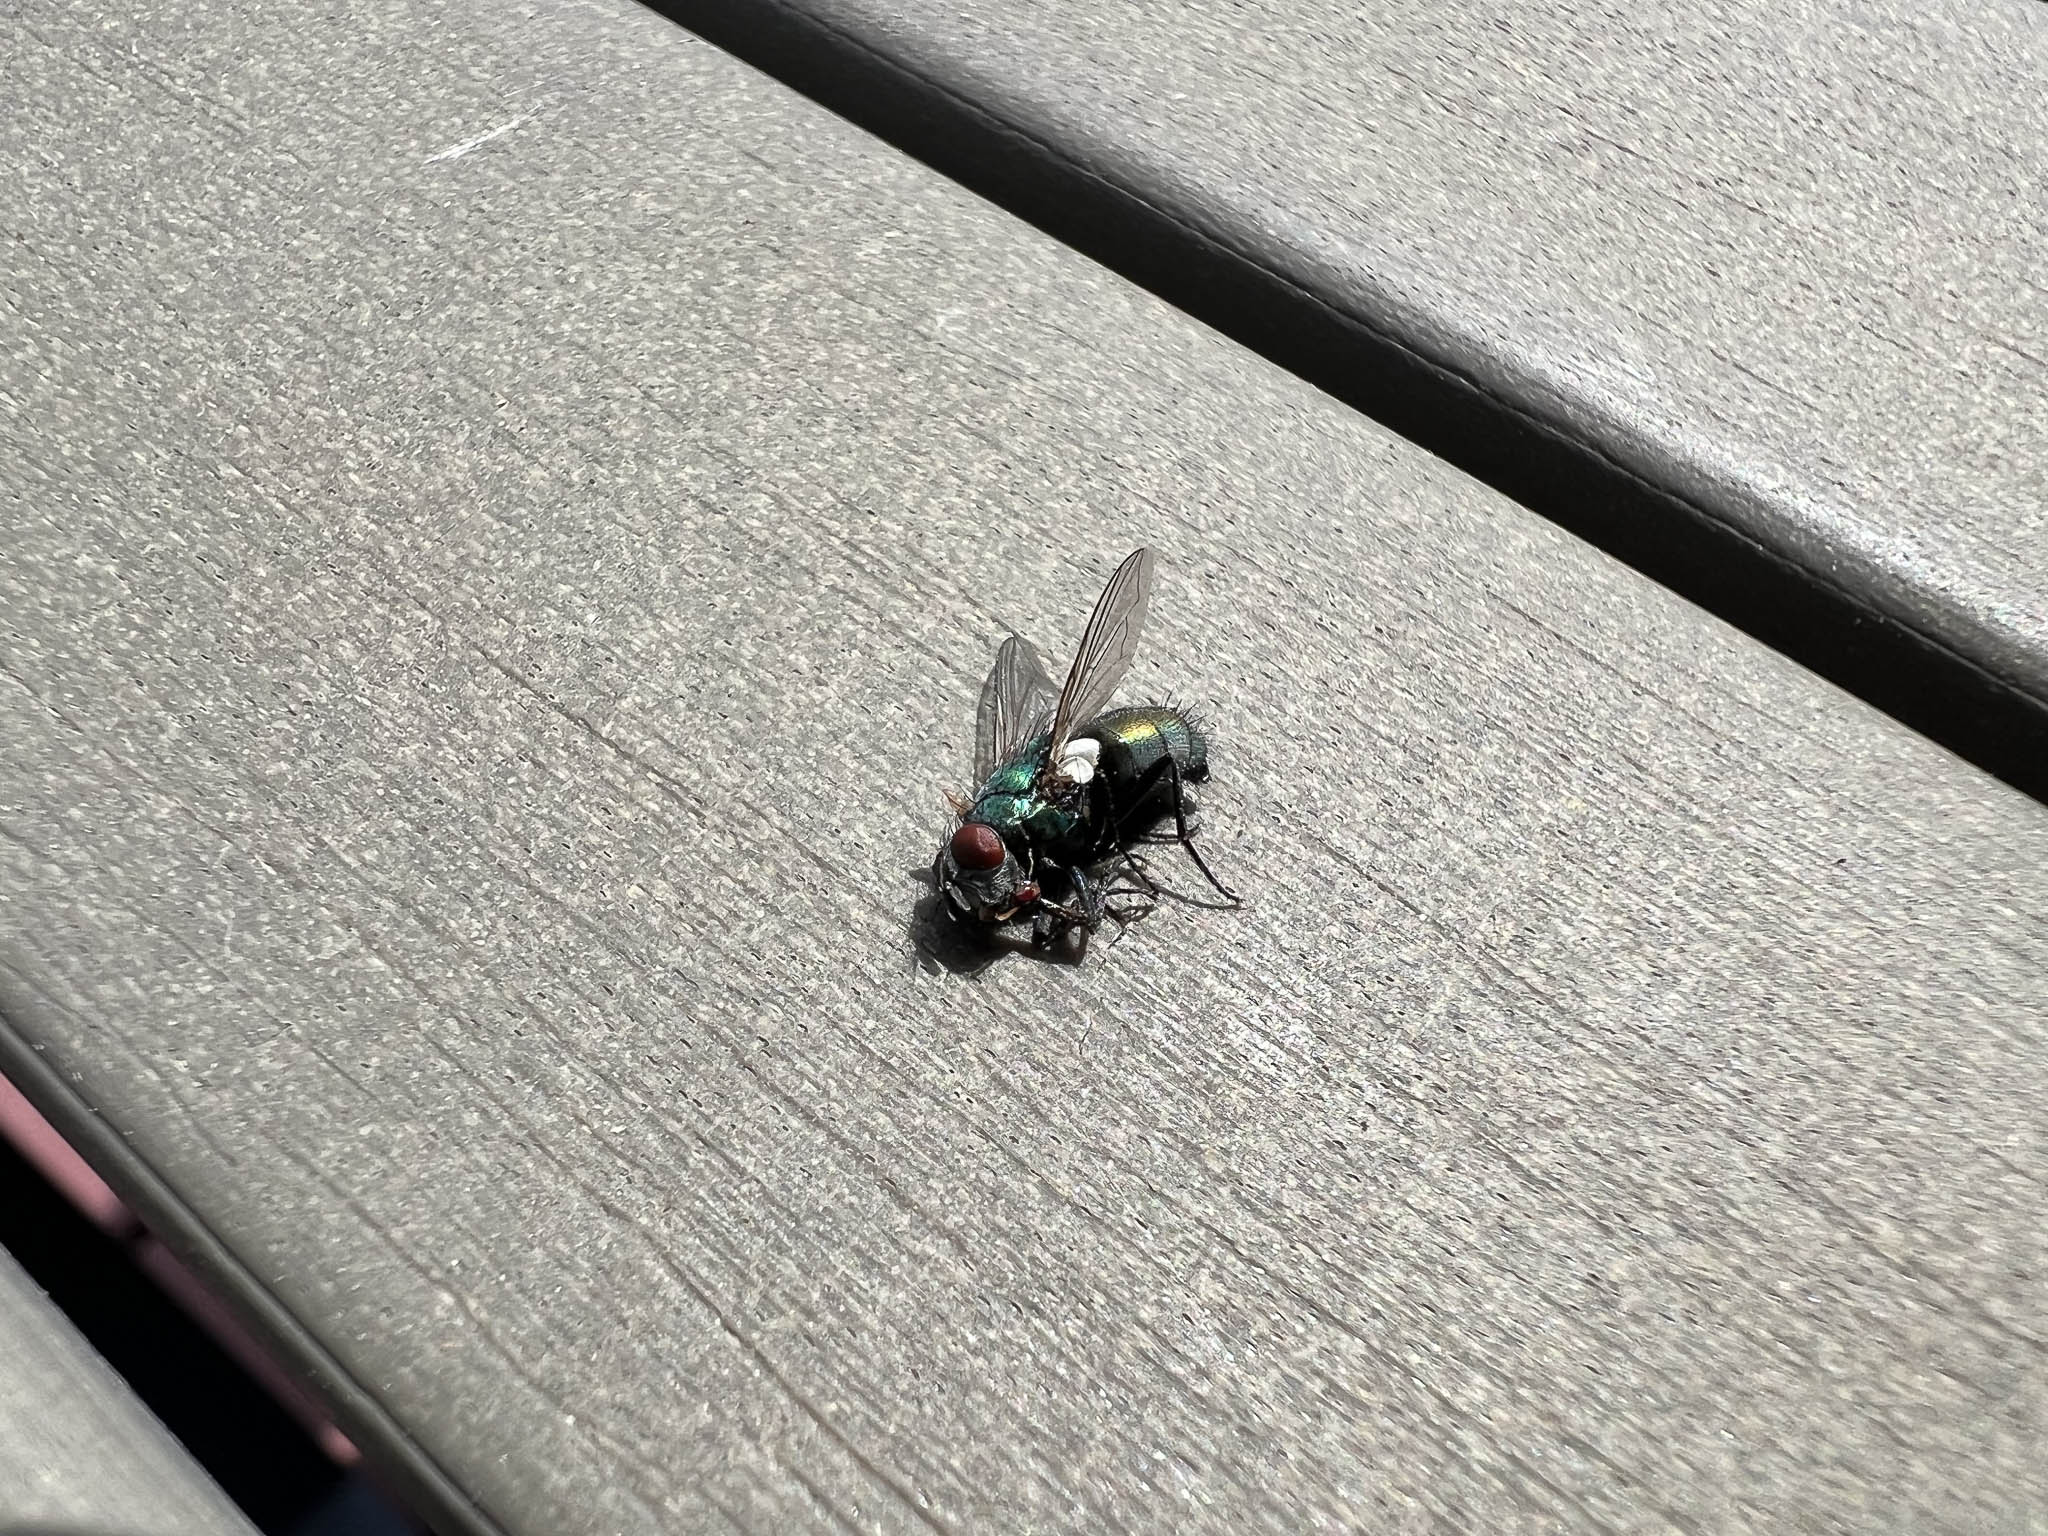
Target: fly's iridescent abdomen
1134, 739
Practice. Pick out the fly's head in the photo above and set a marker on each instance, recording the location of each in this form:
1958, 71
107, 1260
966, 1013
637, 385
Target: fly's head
980, 878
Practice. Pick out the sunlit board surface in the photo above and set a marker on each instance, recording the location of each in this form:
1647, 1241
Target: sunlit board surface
507, 513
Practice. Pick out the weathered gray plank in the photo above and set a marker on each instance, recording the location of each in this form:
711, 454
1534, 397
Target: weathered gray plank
1781, 264
78, 1452
505, 514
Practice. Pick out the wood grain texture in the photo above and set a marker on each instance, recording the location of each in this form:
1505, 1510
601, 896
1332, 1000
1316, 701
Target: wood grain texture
79, 1454
1779, 263
506, 512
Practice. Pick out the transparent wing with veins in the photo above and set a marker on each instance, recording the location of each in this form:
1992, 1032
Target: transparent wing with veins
1016, 702
1107, 646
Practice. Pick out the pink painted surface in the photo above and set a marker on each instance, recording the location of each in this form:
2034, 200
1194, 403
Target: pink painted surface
53, 1157
186, 1288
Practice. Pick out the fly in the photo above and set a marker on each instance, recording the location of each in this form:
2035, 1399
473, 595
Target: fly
1067, 787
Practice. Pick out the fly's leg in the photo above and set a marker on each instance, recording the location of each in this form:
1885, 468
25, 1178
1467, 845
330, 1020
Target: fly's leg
1143, 885
1148, 887
1094, 902
1054, 920
1187, 838
1096, 905
1191, 815
1124, 916
1169, 767
946, 904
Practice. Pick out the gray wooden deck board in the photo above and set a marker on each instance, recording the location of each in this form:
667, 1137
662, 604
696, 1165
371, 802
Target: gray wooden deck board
1781, 263
79, 1455
505, 514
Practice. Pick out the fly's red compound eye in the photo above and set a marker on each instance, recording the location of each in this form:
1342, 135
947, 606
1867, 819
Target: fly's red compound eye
976, 846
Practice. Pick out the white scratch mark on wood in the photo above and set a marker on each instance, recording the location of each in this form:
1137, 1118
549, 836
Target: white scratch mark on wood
457, 151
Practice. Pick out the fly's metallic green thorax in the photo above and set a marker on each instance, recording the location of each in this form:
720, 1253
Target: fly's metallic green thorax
1068, 786
1030, 816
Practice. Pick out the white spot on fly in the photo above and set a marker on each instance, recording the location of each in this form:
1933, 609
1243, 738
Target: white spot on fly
1077, 763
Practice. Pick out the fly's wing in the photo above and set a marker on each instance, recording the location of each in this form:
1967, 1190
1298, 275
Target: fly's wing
1016, 701
1107, 646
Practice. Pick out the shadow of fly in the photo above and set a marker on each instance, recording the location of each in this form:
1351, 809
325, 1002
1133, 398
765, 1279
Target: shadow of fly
1070, 789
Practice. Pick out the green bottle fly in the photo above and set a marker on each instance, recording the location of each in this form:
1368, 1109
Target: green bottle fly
1066, 786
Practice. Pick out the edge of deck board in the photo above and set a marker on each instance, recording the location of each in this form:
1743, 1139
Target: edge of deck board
113, 1459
